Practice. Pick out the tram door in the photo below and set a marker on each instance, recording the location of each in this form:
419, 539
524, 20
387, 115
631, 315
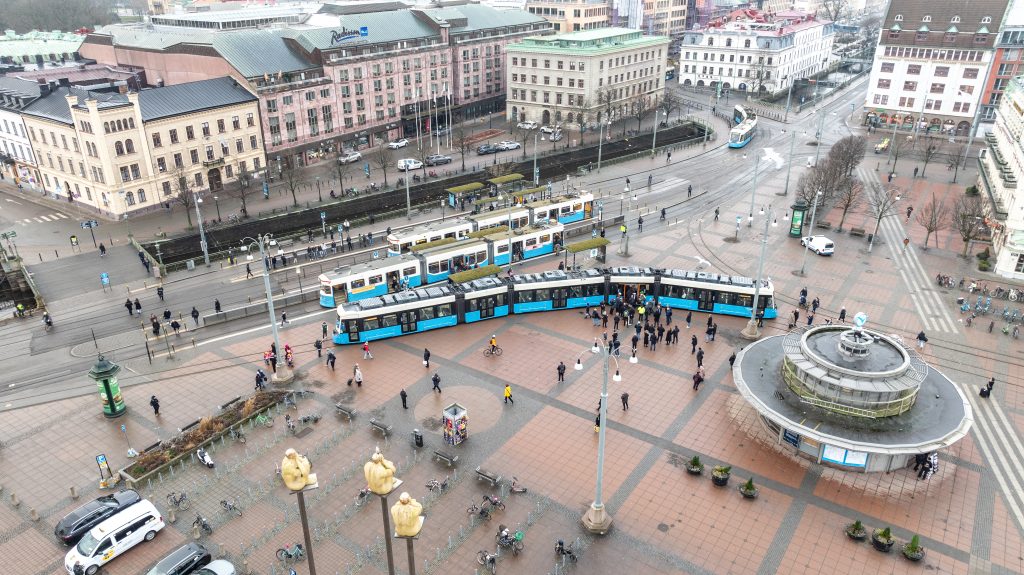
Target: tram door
407, 319
393, 281
486, 305
705, 300
559, 297
517, 250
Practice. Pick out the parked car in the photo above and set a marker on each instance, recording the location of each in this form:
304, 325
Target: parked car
819, 245
77, 523
548, 129
882, 146
398, 144
557, 136
442, 131
114, 537
409, 164
182, 561
526, 125
508, 146
349, 157
218, 567
487, 149
438, 160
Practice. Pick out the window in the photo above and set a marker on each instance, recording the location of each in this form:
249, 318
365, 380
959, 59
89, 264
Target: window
126, 175
206, 129
177, 161
129, 147
986, 20
220, 126
909, 86
166, 186
253, 142
884, 83
156, 140
927, 18
118, 148
937, 88
287, 100
189, 133
970, 73
965, 89
898, 18
199, 180
888, 66
224, 150
941, 71
161, 165
173, 135
209, 153
129, 199
271, 105
249, 121
236, 124
239, 146
914, 69
135, 172
954, 20
229, 171
142, 196
194, 156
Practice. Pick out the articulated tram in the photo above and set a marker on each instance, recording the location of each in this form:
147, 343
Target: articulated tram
433, 307
746, 127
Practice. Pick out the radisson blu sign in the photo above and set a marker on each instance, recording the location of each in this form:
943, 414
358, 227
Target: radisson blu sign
339, 36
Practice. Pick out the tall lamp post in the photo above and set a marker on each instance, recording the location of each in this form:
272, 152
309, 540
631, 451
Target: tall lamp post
789, 166
216, 202
807, 244
600, 141
282, 374
752, 331
202, 231
536, 172
817, 136
654, 140
319, 194
753, 189
596, 519
789, 95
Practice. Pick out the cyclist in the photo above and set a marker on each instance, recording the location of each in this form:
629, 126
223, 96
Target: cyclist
47, 320
494, 343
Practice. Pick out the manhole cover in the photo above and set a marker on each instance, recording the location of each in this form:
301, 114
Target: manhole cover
305, 431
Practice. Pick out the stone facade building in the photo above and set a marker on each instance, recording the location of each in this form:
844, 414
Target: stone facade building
999, 175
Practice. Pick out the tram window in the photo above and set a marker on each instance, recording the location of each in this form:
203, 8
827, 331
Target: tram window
427, 313
444, 310
743, 300
356, 284
351, 326
371, 323
594, 289
531, 242
499, 299
525, 296
407, 316
409, 272
543, 295
434, 268
374, 280
519, 222
481, 256
472, 305
575, 291
434, 239
502, 249
577, 207
389, 320
565, 210
545, 239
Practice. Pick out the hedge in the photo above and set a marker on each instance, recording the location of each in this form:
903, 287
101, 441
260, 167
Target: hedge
475, 274
433, 244
586, 245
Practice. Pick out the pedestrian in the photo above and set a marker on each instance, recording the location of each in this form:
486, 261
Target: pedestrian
216, 306
508, 394
920, 460
714, 326
810, 318
925, 468
366, 350
597, 423
732, 359
604, 319
654, 340
437, 382
128, 306
404, 396
668, 158
319, 345
700, 357
689, 318
103, 250
284, 318
625, 401
175, 326
331, 358
693, 344
272, 358
710, 321
138, 307
815, 304
248, 271
842, 315
260, 378
668, 316
697, 381
915, 171
160, 292
796, 316
689, 190
910, 210
716, 214
647, 338
650, 180
640, 224
561, 369
323, 330
675, 335
661, 332
153, 401
991, 384
357, 376
615, 320
426, 358
707, 334
891, 175
922, 339
906, 242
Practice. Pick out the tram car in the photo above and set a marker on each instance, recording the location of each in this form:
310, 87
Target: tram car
433, 307
746, 127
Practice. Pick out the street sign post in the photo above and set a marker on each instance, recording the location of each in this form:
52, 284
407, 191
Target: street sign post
89, 225
323, 222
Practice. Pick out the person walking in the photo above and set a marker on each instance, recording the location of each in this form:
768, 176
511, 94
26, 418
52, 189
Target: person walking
436, 380
260, 378
331, 358
128, 306
426, 358
319, 345
732, 359
561, 369
248, 271
404, 397
195, 315
921, 340
910, 210
366, 350
640, 224
675, 335
216, 306
716, 214
625, 401
810, 318
138, 307
697, 380
508, 394
155, 403
323, 330
714, 326
842, 315
689, 190
357, 376
920, 460
103, 250
284, 318
160, 292
689, 318
700, 357
693, 344
707, 334
991, 384
175, 326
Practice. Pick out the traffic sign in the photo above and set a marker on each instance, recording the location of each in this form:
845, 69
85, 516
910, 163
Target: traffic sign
323, 216
9, 235
88, 224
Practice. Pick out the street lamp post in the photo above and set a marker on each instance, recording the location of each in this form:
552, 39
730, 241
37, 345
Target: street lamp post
408, 198
596, 519
296, 476
654, 140
202, 231
789, 167
282, 374
807, 244
789, 95
216, 202
753, 189
319, 194
600, 141
752, 331
817, 137
536, 172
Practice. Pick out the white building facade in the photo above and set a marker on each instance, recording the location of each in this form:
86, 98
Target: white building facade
753, 52
16, 158
1001, 169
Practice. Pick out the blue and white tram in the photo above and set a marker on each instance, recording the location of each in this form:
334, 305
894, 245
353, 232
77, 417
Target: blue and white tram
483, 298
442, 261
401, 241
557, 290
746, 127
563, 209
392, 315
519, 216
523, 243
369, 279
714, 293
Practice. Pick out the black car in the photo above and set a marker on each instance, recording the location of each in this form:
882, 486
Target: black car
437, 160
77, 523
487, 149
182, 561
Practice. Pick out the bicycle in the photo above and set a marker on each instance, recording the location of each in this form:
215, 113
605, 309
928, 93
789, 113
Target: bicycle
488, 560
291, 552
229, 506
566, 551
264, 420
202, 524
515, 487
489, 351
513, 541
178, 500
475, 509
236, 434
439, 486
362, 497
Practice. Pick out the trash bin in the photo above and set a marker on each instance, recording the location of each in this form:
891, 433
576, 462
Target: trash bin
417, 437
870, 237
190, 265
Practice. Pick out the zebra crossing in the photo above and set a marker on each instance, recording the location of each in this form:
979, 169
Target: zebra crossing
54, 217
934, 313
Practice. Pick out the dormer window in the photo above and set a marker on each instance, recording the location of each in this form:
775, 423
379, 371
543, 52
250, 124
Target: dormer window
927, 18
899, 18
986, 20
954, 20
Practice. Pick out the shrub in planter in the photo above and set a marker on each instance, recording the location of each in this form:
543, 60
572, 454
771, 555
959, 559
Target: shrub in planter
856, 531
984, 266
720, 475
882, 539
913, 549
694, 466
972, 190
748, 490
983, 254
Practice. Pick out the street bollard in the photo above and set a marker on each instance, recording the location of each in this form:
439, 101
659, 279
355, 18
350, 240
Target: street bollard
33, 514
195, 532
14, 500
172, 516
74, 492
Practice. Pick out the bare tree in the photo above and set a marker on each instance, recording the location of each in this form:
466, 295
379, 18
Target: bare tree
848, 153
933, 216
967, 213
462, 143
292, 177
582, 108
849, 194
670, 103
822, 179
243, 188
954, 162
899, 144
641, 107
870, 25
932, 148
383, 159
342, 169
521, 135
606, 105
183, 193
834, 9
761, 70
881, 203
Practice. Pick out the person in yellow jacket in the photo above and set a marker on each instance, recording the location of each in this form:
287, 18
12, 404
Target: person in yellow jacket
508, 394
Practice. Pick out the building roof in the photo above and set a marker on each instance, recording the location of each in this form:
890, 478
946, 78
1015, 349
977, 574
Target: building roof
18, 87
81, 73
53, 106
35, 42
192, 97
969, 12
599, 41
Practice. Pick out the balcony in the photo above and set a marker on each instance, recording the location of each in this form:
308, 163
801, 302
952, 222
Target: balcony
998, 207
213, 163
292, 85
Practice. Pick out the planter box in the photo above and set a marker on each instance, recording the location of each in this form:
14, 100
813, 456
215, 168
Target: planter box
720, 480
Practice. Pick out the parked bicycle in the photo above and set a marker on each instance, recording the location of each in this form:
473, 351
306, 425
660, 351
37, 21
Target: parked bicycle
264, 420
291, 552
439, 486
363, 496
563, 550
230, 507
488, 560
507, 540
236, 434
178, 500
202, 524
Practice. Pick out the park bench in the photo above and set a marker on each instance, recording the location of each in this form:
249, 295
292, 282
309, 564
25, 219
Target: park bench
446, 457
348, 412
382, 427
492, 478
824, 225
859, 232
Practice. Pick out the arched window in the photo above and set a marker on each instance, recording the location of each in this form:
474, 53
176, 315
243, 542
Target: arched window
728, 42
898, 18
927, 18
142, 196
955, 20
118, 148
129, 147
986, 20
106, 127
131, 123
569, 117
129, 198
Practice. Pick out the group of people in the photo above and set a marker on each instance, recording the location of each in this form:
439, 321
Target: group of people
926, 464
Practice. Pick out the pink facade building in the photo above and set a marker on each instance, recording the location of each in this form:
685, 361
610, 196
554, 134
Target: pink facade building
340, 81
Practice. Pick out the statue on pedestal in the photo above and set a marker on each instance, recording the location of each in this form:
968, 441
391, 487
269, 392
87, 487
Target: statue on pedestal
380, 474
295, 471
406, 515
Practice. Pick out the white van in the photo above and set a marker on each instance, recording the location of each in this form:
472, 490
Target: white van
819, 245
114, 537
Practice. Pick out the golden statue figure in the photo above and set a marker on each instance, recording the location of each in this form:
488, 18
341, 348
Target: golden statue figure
295, 471
380, 474
406, 516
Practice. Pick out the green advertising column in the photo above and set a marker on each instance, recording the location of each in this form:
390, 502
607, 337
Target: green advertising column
105, 375
796, 224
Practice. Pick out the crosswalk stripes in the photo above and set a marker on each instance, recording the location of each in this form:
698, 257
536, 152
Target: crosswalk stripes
55, 216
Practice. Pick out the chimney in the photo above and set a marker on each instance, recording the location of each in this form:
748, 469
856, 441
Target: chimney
64, 82
444, 33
